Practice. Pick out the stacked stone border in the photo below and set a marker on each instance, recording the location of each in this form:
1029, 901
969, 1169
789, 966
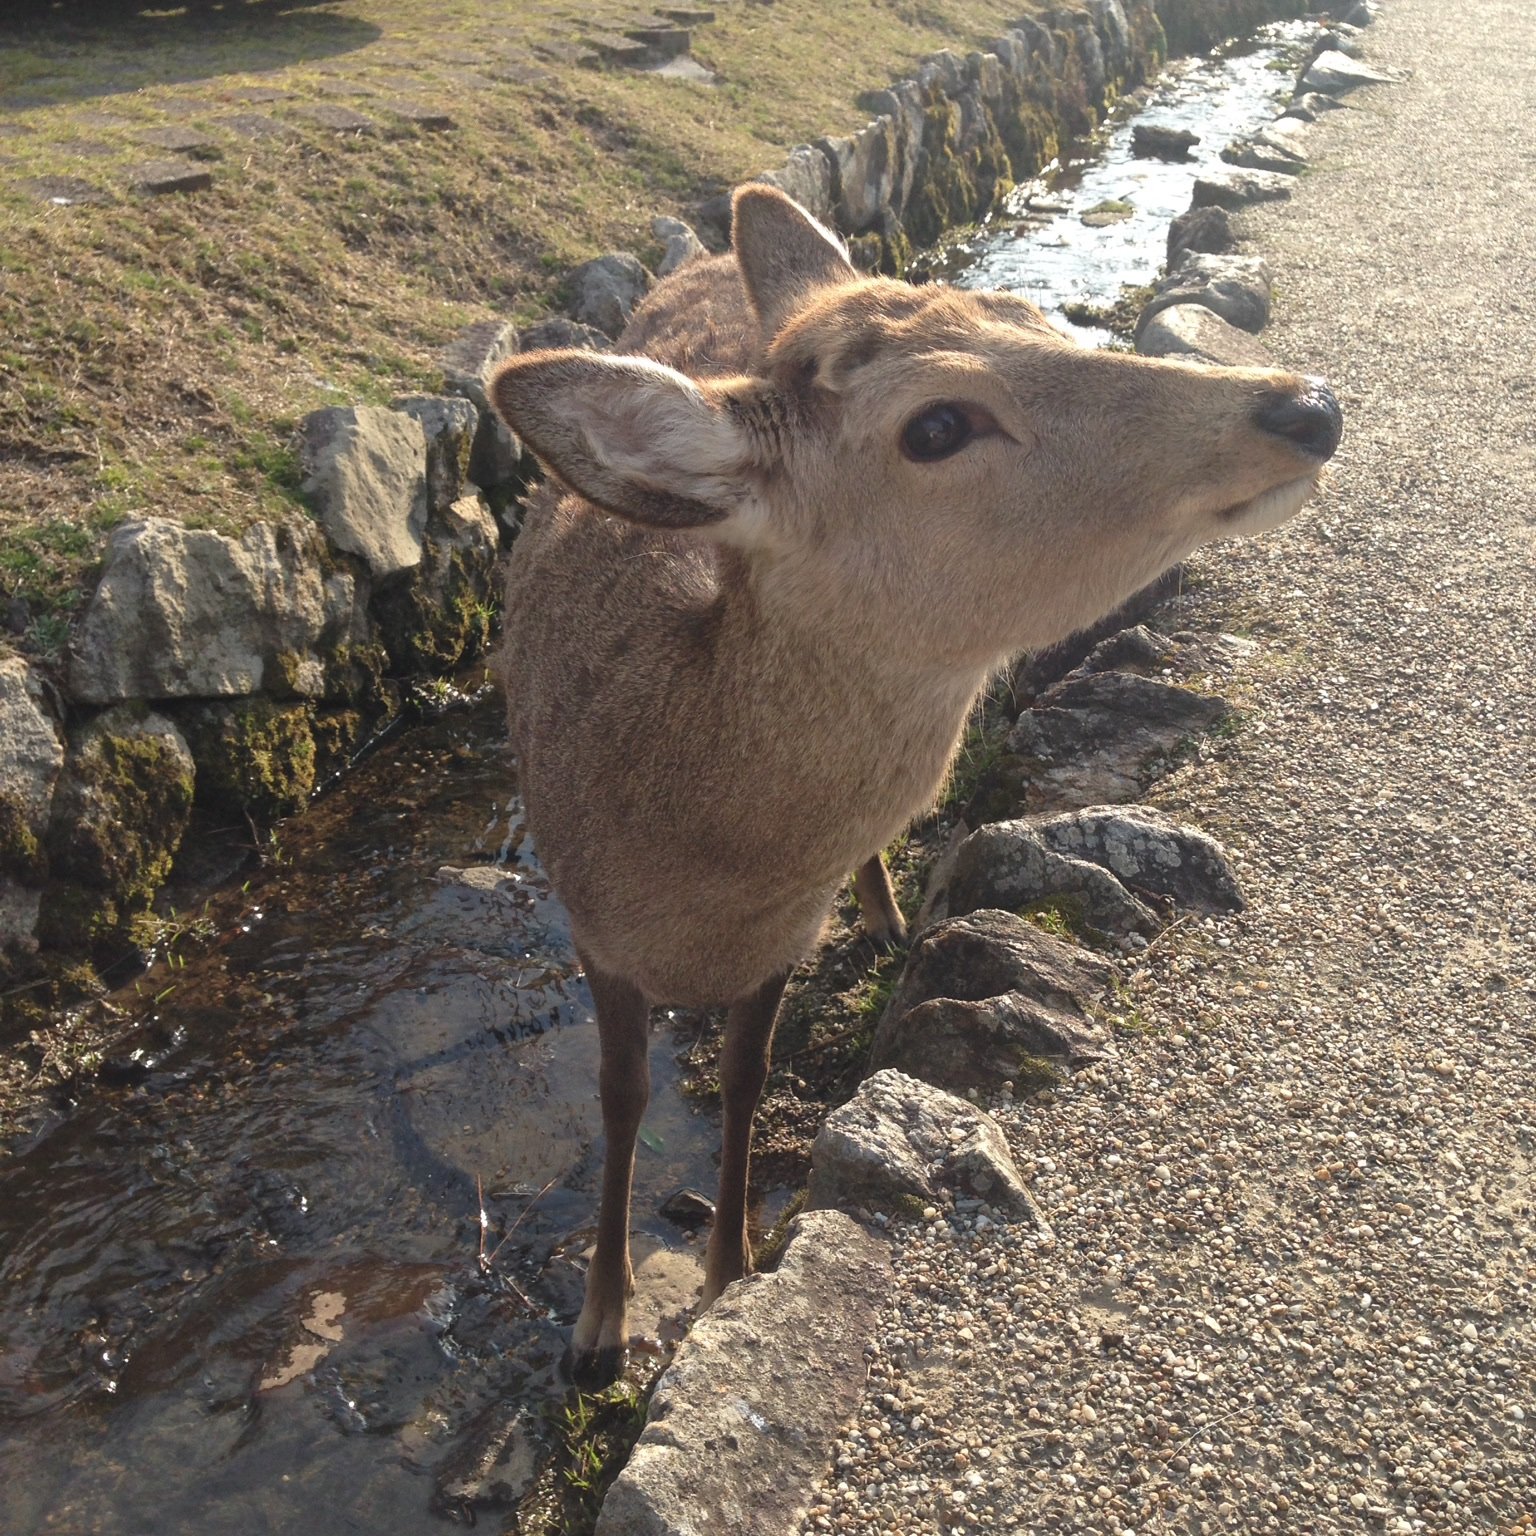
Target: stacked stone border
744, 1423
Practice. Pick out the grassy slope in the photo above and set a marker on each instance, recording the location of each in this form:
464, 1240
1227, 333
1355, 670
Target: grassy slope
155, 352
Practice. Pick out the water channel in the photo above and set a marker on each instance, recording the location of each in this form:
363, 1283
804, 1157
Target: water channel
241, 1277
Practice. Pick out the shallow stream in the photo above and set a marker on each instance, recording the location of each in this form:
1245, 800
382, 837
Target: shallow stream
241, 1287
1037, 244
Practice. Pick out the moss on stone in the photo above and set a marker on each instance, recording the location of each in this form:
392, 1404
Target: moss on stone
254, 758
119, 813
442, 616
337, 733
354, 675
21, 854
1033, 1073
1063, 917
285, 672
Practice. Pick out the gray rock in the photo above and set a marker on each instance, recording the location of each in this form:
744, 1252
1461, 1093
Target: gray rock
449, 423
1237, 188
898, 1142
495, 453
1008, 864
605, 290
473, 356
185, 613
681, 243
1334, 73
943, 71
985, 71
1150, 654
1114, 29
1200, 229
985, 997
1288, 135
1340, 36
31, 755
1361, 14
1265, 152
1311, 105
20, 907
1237, 288
904, 104
1163, 142
1148, 849
1195, 332
864, 167
337, 119
688, 1208
739, 1424
712, 220
806, 177
1104, 737
559, 332
365, 471
425, 621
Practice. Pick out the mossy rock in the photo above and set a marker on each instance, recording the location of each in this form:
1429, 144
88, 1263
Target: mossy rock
338, 733
355, 676
22, 858
944, 193
443, 615
119, 813
254, 758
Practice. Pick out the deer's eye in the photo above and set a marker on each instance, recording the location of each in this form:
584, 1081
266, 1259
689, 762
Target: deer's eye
936, 432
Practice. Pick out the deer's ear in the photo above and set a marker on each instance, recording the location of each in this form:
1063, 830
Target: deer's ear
639, 439
784, 254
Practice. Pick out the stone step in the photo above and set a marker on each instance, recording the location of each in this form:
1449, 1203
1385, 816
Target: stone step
160, 176
686, 15
618, 50
656, 32
428, 119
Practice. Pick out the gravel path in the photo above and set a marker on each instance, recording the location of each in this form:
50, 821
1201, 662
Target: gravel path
1292, 1286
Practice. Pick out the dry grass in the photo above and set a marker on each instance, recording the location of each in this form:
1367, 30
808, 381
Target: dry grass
155, 352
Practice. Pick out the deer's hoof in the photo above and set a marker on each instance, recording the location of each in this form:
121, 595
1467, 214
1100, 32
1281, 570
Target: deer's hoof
591, 1369
887, 938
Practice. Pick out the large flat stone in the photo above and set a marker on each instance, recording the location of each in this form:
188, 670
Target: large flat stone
158, 177
1333, 73
741, 1421
1192, 331
1237, 188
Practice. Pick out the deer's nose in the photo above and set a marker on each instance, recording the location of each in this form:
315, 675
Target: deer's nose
1312, 419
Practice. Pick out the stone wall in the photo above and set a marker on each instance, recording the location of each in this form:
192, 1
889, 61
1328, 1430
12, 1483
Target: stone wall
229, 676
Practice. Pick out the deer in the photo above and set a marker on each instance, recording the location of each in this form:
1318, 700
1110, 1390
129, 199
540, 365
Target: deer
790, 530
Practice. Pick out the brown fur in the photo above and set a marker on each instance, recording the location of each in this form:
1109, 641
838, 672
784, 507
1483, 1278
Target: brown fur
749, 680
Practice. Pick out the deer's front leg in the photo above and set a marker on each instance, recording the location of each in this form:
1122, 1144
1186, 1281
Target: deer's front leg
600, 1341
883, 922
743, 1071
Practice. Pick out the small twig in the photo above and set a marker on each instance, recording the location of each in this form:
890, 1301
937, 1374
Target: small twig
485, 1263
828, 1043
1178, 922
